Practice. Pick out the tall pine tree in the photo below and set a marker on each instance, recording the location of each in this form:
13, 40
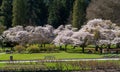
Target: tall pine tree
65, 10
6, 13
19, 12
36, 12
53, 16
79, 12
0, 2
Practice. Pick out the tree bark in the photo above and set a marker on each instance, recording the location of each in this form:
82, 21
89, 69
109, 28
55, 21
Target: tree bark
109, 46
118, 45
83, 51
60, 47
96, 48
83, 48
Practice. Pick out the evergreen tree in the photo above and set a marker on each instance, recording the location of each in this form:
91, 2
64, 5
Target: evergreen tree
65, 10
59, 11
6, 13
42, 13
79, 12
36, 12
53, 16
19, 12
0, 2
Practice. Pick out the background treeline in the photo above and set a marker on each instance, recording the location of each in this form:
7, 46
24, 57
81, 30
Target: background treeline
56, 12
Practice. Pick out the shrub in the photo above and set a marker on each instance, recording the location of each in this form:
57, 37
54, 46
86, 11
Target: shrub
51, 48
33, 48
19, 48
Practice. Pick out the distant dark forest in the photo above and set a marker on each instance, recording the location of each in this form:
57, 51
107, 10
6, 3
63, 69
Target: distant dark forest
56, 12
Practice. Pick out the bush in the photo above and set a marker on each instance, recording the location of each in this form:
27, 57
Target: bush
33, 48
19, 48
51, 48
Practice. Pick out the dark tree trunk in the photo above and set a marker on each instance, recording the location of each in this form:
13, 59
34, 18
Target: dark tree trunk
101, 50
74, 47
109, 46
41, 45
60, 47
118, 45
96, 48
83, 48
11, 48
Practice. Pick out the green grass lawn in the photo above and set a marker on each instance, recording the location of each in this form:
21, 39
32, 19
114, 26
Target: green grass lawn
60, 55
2, 64
71, 53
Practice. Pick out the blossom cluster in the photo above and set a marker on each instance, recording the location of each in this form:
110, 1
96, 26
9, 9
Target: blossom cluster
96, 30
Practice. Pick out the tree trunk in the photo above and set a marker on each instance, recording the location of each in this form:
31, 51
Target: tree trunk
11, 48
118, 45
100, 50
109, 46
83, 48
74, 47
60, 47
41, 45
96, 48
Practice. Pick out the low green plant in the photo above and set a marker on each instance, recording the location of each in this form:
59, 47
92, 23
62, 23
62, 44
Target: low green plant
19, 48
49, 48
52, 48
33, 48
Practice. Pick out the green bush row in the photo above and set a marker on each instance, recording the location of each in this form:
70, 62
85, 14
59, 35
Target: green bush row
35, 48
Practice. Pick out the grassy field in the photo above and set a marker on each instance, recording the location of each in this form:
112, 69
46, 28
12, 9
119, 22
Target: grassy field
60, 55
71, 53
2, 64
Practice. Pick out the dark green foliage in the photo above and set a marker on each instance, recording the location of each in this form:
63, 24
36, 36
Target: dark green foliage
0, 2
36, 12
2, 28
19, 48
79, 12
19, 12
66, 7
59, 11
33, 49
53, 10
6, 13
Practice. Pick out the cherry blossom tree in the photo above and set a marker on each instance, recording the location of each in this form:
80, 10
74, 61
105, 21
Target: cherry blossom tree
97, 31
30, 34
104, 31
